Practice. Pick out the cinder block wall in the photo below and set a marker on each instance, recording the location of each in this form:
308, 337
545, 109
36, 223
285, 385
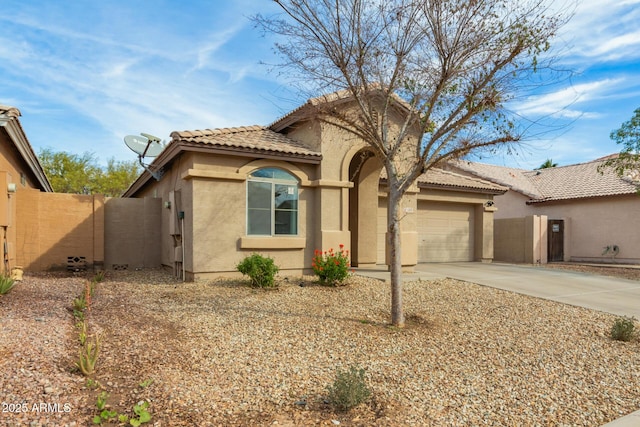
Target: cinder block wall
52, 227
55, 230
132, 233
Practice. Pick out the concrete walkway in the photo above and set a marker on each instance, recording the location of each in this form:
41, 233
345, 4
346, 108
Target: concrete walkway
608, 294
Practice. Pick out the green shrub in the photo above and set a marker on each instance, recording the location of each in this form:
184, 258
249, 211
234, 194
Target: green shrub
261, 270
349, 389
332, 268
623, 329
6, 284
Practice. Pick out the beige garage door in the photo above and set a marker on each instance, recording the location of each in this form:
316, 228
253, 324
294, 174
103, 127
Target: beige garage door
445, 232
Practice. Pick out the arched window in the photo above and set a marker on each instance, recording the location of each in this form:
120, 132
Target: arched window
272, 203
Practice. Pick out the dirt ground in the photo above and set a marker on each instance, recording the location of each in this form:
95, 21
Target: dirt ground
220, 353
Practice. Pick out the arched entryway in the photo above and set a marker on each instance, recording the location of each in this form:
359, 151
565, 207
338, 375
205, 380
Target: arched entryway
364, 172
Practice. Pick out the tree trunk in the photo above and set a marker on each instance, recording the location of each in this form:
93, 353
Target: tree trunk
395, 248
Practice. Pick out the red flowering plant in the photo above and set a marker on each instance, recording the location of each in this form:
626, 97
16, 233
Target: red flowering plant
331, 267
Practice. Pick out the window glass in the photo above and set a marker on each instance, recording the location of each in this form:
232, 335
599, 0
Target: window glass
273, 173
259, 195
272, 205
286, 209
259, 222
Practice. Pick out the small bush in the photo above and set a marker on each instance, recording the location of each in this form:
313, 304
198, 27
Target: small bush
6, 284
349, 389
623, 329
332, 268
261, 270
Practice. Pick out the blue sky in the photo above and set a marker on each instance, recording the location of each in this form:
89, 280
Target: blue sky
85, 73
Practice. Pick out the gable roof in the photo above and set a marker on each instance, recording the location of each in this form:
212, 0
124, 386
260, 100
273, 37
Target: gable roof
254, 139
257, 141
10, 122
579, 181
312, 106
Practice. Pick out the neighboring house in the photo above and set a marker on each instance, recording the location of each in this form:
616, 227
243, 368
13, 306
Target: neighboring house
20, 170
298, 185
592, 215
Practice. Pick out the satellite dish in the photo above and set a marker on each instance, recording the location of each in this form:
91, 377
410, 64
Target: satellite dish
145, 145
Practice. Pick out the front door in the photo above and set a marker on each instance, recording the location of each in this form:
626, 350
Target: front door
555, 240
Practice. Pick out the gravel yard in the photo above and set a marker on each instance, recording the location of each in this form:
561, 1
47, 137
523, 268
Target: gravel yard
221, 353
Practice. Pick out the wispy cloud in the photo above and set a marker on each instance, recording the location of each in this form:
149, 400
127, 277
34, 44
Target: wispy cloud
564, 102
85, 74
604, 30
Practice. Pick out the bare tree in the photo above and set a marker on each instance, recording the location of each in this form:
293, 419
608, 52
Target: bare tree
449, 66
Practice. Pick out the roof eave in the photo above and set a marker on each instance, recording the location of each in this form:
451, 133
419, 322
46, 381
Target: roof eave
16, 134
572, 199
492, 191
176, 148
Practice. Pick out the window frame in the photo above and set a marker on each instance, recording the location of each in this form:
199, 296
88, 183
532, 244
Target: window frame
274, 182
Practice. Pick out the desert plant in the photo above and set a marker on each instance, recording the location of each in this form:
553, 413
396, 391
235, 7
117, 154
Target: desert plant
88, 355
623, 329
79, 303
99, 276
349, 389
91, 383
6, 284
332, 268
141, 414
88, 293
82, 331
79, 306
146, 383
261, 270
104, 414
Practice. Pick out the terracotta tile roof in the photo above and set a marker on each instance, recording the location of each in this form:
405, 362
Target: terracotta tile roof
578, 181
510, 177
559, 183
443, 178
446, 179
245, 138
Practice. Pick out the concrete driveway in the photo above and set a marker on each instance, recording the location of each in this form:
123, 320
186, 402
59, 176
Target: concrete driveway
608, 294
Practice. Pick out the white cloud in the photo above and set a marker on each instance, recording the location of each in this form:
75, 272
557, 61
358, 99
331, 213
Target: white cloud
563, 102
618, 47
604, 30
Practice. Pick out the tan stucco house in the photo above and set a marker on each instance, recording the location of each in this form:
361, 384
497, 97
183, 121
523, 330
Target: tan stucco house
20, 170
591, 214
298, 185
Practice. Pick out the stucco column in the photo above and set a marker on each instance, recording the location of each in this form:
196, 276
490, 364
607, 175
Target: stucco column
367, 237
331, 231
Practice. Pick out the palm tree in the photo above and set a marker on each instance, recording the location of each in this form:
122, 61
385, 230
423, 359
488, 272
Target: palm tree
547, 164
